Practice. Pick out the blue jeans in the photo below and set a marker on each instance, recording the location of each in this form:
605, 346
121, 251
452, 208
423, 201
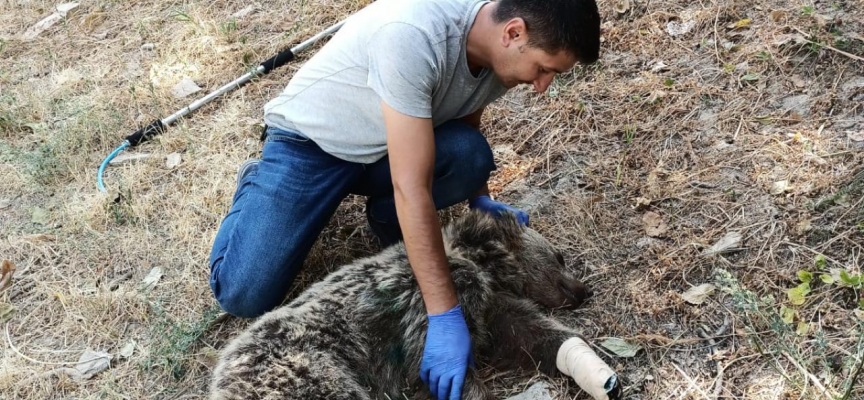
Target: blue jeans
281, 207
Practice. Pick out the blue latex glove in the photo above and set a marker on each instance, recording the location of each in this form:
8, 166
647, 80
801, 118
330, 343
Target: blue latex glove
497, 209
446, 355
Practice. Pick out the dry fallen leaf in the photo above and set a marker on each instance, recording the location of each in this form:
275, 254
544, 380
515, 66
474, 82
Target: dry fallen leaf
151, 279
803, 226
697, 294
621, 347
654, 225
797, 38
7, 269
740, 24
730, 241
38, 237
642, 202
777, 15
621, 6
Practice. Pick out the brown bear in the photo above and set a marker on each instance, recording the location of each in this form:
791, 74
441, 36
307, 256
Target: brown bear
359, 333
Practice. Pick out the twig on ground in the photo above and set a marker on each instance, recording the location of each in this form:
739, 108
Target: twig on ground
850, 55
531, 135
691, 381
810, 376
854, 378
702, 331
12, 346
71, 372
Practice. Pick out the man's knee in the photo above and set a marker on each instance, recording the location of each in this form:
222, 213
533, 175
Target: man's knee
468, 152
476, 160
246, 296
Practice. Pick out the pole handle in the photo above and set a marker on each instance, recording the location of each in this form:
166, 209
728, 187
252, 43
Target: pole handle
146, 133
278, 60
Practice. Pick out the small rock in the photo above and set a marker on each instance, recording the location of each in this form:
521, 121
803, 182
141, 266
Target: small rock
59, 13
184, 88
128, 349
853, 83
798, 81
779, 187
537, 391
660, 66
799, 104
173, 160
39, 215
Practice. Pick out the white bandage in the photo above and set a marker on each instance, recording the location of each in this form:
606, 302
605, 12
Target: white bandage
577, 360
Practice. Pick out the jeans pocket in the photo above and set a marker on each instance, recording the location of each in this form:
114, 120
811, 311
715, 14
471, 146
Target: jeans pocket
279, 135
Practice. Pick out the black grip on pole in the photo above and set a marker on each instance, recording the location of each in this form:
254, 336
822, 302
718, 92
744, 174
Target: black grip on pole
144, 134
278, 60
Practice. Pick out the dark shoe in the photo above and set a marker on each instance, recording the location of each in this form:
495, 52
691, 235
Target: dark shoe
247, 167
386, 233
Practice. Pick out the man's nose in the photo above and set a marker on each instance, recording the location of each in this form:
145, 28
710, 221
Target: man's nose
542, 83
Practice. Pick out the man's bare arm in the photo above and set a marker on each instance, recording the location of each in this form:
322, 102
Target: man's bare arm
411, 149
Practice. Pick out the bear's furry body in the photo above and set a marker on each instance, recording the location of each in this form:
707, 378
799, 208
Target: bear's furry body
359, 333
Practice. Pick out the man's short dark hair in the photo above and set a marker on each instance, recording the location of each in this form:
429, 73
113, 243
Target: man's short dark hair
555, 25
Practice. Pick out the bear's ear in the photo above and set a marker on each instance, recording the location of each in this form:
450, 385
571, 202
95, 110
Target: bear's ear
478, 229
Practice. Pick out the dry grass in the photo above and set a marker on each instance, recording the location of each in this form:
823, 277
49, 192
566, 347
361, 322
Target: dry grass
701, 142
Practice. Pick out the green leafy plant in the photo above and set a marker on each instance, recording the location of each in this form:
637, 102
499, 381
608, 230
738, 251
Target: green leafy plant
798, 294
629, 133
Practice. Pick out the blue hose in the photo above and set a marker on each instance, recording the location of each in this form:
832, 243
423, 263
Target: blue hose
108, 159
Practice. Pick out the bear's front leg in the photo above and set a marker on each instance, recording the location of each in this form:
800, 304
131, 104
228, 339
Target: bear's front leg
524, 338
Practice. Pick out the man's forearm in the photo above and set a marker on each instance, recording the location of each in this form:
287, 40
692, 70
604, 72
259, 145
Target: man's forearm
421, 233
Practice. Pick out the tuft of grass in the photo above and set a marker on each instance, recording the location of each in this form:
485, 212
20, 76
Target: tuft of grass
772, 331
170, 352
121, 208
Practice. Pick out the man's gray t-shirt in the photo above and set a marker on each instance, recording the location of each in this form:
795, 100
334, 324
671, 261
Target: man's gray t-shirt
409, 53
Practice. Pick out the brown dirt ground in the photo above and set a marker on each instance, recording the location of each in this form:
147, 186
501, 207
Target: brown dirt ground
696, 128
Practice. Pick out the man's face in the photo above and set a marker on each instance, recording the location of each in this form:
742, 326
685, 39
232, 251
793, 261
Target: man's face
518, 63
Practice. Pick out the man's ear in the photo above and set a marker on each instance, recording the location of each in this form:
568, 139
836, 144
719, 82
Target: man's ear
514, 32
